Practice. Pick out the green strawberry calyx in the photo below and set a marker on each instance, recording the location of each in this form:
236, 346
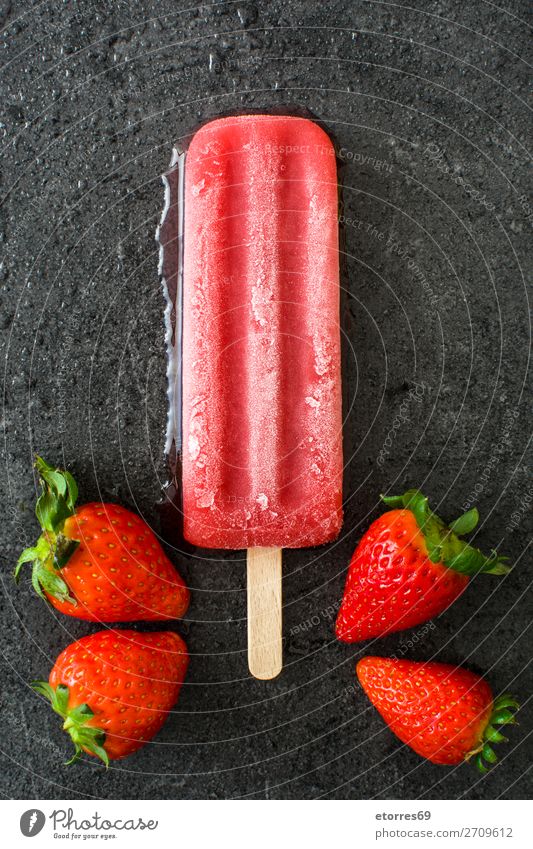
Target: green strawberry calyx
53, 549
503, 713
84, 736
443, 542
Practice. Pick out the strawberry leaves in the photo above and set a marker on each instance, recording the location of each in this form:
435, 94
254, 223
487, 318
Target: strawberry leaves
503, 713
53, 549
466, 523
58, 498
64, 549
85, 737
443, 542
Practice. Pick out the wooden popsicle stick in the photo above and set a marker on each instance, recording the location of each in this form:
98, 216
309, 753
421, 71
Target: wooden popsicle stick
264, 612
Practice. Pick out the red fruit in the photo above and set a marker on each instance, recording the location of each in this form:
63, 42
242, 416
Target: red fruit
114, 689
99, 562
408, 567
445, 713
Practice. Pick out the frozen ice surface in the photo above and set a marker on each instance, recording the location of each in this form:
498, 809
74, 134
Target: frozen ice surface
261, 343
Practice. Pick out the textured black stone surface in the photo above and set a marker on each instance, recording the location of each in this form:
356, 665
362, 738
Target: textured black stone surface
426, 104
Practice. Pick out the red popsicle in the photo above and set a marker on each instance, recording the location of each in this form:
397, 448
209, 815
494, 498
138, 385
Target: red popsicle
262, 440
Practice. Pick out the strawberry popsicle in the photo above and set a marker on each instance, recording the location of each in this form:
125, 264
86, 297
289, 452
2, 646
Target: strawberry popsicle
262, 441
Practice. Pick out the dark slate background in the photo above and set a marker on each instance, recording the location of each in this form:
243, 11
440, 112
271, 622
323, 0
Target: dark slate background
426, 105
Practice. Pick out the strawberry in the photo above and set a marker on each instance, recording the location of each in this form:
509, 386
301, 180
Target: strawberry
99, 562
445, 713
114, 689
408, 567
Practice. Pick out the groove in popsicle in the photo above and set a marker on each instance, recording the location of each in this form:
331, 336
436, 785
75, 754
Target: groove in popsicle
264, 365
